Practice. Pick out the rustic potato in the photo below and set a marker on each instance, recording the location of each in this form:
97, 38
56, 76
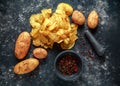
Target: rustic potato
26, 66
22, 45
40, 53
78, 17
93, 20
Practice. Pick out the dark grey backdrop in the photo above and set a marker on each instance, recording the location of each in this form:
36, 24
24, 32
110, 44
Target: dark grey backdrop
98, 71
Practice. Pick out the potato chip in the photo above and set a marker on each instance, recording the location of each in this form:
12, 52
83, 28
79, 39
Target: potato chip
46, 13
67, 46
66, 8
48, 28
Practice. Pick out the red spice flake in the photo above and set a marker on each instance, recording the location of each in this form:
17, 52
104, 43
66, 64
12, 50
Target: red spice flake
86, 52
68, 65
91, 55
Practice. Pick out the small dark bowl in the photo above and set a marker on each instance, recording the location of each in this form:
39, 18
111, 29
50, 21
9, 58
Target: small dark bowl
74, 76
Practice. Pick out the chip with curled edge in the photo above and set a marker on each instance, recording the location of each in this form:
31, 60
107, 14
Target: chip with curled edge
48, 28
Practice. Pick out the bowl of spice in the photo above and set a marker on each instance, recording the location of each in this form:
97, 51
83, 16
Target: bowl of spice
68, 65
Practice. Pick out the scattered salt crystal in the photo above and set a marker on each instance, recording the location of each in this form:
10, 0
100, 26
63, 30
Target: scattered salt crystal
102, 22
89, 82
6, 82
21, 18
40, 76
78, 51
18, 84
79, 7
104, 67
47, 1
107, 57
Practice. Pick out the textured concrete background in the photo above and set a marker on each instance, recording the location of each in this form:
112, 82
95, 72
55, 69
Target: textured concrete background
98, 71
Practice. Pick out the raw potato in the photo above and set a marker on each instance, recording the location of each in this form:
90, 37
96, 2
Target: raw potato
40, 53
22, 45
26, 66
78, 17
93, 20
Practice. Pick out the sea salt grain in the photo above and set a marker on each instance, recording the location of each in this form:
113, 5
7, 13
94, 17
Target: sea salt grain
21, 18
102, 22
79, 7
10, 70
104, 67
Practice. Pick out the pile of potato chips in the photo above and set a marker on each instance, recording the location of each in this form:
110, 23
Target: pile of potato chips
48, 28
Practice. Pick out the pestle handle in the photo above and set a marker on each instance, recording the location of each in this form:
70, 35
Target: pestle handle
96, 45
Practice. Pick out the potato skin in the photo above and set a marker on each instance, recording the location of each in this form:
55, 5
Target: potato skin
22, 45
93, 20
40, 53
26, 66
78, 17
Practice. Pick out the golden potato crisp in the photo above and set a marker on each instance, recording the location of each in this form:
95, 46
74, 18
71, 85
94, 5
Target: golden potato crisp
49, 28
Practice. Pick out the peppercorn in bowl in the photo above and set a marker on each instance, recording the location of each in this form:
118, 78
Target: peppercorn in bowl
68, 65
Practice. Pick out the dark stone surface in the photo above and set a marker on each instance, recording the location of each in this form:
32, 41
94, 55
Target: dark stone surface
98, 71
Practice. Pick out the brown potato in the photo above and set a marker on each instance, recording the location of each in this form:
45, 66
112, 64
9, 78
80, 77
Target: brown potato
78, 17
26, 66
93, 20
40, 53
22, 45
